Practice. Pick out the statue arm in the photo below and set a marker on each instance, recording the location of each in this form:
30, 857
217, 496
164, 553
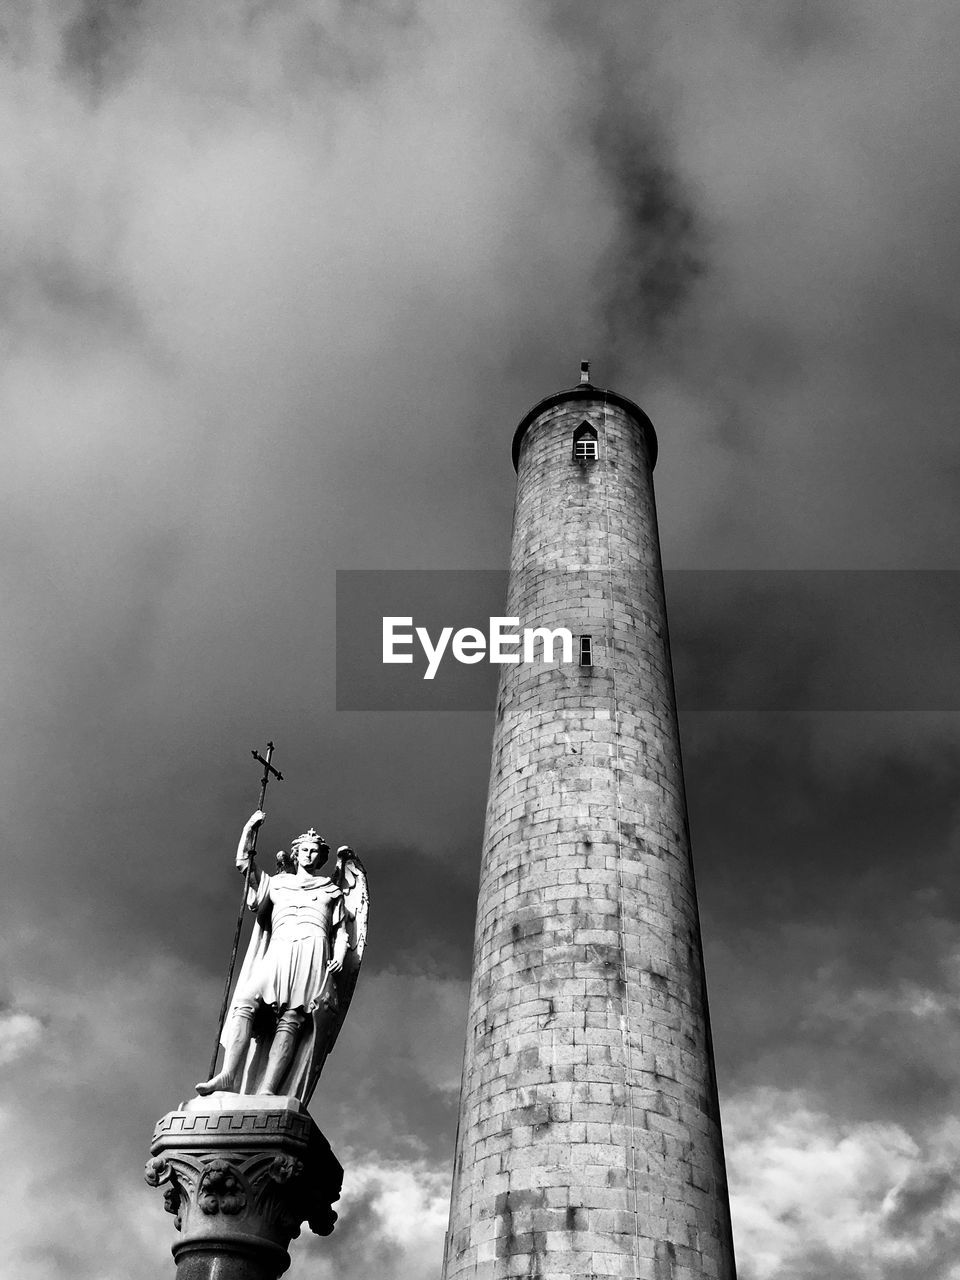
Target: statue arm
339, 953
246, 853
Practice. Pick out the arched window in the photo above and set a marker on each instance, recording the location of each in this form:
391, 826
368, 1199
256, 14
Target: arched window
585, 446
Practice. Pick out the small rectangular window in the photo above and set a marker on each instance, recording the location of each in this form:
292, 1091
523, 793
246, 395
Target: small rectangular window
585, 449
586, 651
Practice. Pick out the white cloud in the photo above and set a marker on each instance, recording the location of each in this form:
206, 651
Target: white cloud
412, 1200
394, 1215
862, 1006
129, 1045
867, 1197
19, 1033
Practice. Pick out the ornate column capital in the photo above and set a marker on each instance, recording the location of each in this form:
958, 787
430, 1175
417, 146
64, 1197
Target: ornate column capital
241, 1175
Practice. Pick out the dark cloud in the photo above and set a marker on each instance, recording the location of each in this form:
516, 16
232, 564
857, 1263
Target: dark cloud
281, 280
99, 41
794, 641
802, 30
660, 253
823, 849
918, 1196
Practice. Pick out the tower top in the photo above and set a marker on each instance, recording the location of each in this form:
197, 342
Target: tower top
585, 390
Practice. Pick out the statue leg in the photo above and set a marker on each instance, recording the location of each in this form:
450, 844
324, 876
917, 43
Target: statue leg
234, 1051
281, 1051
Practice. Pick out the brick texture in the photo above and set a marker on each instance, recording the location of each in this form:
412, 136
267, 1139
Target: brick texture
589, 1139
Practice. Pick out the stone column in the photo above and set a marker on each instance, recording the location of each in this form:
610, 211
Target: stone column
589, 1137
241, 1175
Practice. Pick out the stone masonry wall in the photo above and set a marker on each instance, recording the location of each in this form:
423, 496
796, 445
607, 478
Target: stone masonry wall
589, 1142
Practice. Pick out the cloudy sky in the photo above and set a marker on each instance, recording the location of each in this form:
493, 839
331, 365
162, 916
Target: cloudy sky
279, 279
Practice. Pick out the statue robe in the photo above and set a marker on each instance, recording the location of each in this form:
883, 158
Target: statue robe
287, 966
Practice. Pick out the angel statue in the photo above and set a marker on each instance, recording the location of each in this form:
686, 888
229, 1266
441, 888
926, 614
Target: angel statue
300, 969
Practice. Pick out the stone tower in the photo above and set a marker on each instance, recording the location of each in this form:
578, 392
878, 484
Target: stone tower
589, 1137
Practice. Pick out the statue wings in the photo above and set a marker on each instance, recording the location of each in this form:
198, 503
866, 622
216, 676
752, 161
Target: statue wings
352, 879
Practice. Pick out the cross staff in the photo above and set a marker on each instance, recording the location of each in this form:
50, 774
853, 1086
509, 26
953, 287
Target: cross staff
268, 769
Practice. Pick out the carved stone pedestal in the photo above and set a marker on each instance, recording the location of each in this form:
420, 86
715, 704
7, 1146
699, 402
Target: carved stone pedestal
241, 1174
